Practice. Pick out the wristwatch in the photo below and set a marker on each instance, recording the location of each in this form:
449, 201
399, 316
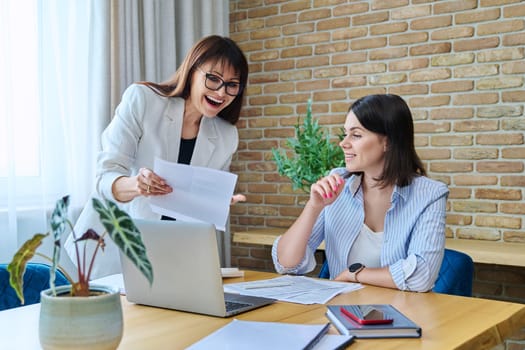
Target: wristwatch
354, 269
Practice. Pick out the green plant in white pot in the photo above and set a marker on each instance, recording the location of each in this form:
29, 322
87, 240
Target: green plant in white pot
313, 154
80, 315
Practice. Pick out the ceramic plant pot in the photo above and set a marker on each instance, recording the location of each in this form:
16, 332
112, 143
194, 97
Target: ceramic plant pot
93, 322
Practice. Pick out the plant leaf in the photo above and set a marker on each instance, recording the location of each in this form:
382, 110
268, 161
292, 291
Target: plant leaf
125, 234
17, 266
314, 154
58, 226
91, 234
59, 216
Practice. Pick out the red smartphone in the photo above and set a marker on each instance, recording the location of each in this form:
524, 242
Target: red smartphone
366, 315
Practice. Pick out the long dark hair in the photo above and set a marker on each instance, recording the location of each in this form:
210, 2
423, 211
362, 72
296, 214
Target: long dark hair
389, 115
216, 49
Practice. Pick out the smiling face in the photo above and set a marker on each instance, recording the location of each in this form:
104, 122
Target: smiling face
208, 102
364, 150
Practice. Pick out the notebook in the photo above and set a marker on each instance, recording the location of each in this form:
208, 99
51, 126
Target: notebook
401, 326
186, 270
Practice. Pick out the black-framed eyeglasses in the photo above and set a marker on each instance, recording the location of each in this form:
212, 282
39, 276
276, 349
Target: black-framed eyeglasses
214, 82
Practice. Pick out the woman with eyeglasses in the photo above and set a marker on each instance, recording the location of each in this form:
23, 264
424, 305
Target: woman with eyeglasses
188, 119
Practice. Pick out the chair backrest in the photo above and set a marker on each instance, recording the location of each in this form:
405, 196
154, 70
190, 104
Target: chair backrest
455, 275
36, 279
325, 272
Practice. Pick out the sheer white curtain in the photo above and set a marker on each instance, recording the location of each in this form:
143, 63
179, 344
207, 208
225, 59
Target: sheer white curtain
54, 103
63, 67
151, 38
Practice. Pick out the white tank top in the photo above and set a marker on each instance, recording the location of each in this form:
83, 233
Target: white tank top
367, 248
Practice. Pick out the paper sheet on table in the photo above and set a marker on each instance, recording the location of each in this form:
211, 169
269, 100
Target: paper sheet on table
116, 281
294, 289
199, 194
257, 335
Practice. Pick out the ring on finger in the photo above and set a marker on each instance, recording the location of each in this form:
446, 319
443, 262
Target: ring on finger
147, 189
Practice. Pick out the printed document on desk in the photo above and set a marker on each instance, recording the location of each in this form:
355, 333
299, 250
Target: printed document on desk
254, 335
294, 289
117, 280
199, 194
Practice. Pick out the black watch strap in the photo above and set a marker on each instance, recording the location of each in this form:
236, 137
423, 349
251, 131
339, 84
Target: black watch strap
354, 269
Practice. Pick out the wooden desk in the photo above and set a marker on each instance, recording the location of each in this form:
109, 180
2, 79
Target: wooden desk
448, 322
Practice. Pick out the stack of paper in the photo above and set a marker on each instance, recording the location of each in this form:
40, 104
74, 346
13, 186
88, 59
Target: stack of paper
231, 272
253, 335
294, 289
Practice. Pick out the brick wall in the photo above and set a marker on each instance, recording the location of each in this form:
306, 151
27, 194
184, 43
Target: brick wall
499, 282
460, 65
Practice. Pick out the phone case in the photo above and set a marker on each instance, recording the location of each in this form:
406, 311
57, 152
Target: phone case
363, 321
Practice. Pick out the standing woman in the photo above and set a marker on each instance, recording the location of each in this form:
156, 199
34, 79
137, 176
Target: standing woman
188, 119
382, 220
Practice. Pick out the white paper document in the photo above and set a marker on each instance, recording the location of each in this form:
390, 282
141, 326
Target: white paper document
294, 289
117, 280
231, 272
199, 194
254, 335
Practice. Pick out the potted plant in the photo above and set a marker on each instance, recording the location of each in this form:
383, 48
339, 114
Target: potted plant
314, 154
80, 315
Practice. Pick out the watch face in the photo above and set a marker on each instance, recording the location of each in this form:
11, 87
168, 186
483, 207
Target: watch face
354, 267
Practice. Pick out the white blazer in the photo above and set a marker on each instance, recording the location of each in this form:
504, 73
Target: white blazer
146, 125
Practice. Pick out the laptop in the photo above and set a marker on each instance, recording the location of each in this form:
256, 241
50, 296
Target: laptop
186, 271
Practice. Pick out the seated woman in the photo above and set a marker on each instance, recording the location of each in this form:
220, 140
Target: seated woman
382, 219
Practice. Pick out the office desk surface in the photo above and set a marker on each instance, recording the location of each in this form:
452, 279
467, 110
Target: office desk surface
448, 322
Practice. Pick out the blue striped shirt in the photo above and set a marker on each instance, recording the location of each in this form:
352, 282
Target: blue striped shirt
414, 233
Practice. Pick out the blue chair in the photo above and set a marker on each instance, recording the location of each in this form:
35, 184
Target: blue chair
455, 275
325, 272
36, 279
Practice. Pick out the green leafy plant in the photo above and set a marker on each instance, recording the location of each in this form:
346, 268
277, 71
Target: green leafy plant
314, 155
120, 228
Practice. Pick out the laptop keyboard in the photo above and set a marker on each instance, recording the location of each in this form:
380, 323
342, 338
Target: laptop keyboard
234, 305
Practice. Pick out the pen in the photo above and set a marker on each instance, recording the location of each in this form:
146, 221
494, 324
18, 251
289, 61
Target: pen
259, 286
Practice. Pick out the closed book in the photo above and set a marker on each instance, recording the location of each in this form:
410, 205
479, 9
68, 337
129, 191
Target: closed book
400, 327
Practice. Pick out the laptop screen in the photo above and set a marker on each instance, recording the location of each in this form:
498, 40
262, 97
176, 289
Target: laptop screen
186, 267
